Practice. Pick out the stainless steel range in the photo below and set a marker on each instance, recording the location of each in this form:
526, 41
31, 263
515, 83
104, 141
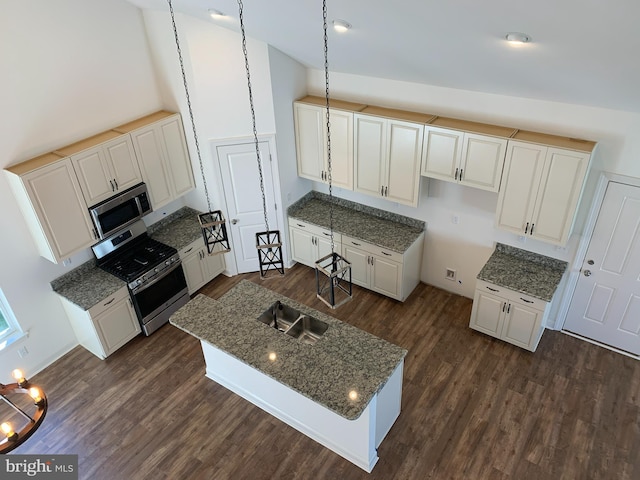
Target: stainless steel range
152, 270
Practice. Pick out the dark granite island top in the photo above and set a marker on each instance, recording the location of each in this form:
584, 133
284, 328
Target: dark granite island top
378, 227
523, 271
345, 358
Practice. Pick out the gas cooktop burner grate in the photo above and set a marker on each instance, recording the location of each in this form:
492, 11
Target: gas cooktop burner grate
138, 259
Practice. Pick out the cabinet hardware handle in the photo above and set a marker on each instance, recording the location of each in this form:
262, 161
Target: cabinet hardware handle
130, 302
113, 189
386, 191
525, 300
356, 244
188, 250
504, 305
382, 191
110, 301
301, 226
526, 228
493, 289
115, 182
455, 176
327, 234
460, 177
385, 253
509, 308
372, 260
531, 231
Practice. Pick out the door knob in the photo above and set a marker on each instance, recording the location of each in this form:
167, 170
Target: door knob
590, 262
234, 221
587, 273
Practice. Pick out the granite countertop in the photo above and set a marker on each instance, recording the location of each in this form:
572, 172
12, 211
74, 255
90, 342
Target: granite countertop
371, 225
87, 285
525, 272
345, 358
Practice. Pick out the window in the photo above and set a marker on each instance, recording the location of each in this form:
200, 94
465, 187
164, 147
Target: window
9, 328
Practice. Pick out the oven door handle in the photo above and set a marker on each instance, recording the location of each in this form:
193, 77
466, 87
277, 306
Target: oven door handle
156, 280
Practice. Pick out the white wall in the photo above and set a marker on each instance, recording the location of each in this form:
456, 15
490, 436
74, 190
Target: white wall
71, 68
467, 245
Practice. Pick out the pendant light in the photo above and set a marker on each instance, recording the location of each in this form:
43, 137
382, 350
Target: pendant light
212, 223
333, 272
268, 243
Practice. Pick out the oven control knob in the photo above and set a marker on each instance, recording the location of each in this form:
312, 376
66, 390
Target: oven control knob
155, 270
167, 262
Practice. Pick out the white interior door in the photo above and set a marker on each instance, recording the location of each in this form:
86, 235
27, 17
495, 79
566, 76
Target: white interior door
606, 303
241, 182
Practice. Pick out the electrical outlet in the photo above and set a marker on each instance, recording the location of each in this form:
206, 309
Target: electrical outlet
23, 352
522, 238
66, 262
455, 219
450, 274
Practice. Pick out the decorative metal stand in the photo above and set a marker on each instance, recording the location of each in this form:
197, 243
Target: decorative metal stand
333, 280
214, 232
269, 253
14, 438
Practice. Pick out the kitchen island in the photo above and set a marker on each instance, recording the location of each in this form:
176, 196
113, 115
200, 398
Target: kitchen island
343, 391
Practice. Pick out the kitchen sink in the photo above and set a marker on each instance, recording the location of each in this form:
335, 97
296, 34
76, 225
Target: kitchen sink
294, 323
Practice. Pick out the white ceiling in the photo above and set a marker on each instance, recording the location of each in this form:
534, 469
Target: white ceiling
582, 51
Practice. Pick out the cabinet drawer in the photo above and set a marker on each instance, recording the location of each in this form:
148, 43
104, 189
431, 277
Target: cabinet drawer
372, 249
111, 300
192, 247
315, 230
511, 295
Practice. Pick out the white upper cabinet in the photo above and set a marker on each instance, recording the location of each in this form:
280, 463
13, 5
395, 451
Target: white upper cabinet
53, 206
465, 157
105, 164
161, 149
387, 158
311, 144
541, 188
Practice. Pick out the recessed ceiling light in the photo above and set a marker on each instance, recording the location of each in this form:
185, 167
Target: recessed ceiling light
341, 26
215, 13
517, 38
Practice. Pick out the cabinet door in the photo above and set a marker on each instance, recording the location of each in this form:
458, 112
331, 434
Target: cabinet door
370, 154
94, 175
341, 149
441, 153
303, 247
403, 163
386, 277
177, 156
122, 161
215, 264
482, 161
149, 148
487, 314
310, 144
521, 325
62, 215
558, 195
360, 265
117, 325
194, 272
324, 246
519, 187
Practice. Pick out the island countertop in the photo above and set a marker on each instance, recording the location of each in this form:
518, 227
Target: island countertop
345, 358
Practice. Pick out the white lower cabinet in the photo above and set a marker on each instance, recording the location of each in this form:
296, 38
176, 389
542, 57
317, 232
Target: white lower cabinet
199, 267
508, 315
373, 267
309, 243
106, 326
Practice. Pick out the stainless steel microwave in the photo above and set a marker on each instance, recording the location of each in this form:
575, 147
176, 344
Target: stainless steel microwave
121, 210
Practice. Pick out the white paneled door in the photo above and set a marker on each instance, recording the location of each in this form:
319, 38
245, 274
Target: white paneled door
606, 303
241, 181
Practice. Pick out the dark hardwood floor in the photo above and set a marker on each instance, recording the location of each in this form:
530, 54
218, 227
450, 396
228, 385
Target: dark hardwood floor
473, 407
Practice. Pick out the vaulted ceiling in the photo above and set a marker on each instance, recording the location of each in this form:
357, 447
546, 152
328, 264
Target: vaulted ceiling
581, 51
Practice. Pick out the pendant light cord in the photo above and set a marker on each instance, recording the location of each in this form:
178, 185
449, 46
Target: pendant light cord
326, 82
253, 113
186, 91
